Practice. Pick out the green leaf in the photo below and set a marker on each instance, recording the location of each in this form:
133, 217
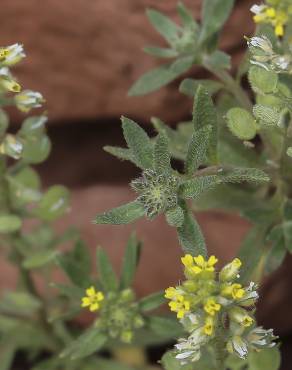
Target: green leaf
214, 15
77, 264
175, 216
24, 187
197, 149
165, 326
190, 236
152, 301
241, 123
121, 153
204, 114
169, 362
236, 175
33, 126
262, 81
251, 250
122, 215
35, 149
107, 275
189, 86
4, 122
9, 223
7, 352
88, 343
139, 143
161, 154
186, 17
219, 60
53, 204
19, 303
161, 52
266, 116
192, 189
275, 257
268, 359
130, 262
160, 76
163, 25
40, 259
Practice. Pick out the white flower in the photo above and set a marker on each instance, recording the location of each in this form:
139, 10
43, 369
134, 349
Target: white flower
11, 55
28, 99
257, 9
260, 338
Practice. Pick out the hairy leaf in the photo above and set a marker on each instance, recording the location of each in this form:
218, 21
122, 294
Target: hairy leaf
107, 275
241, 123
152, 301
161, 52
197, 149
214, 15
130, 262
88, 343
163, 25
122, 215
204, 114
175, 216
160, 76
121, 153
190, 236
189, 86
139, 143
161, 154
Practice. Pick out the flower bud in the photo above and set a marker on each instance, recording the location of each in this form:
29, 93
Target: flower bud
230, 271
11, 147
28, 99
241, 316
11, 54
237, 346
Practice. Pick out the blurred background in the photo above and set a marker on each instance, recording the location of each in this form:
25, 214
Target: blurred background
83, 56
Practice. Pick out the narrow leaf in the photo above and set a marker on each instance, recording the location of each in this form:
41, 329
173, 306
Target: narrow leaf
204, 114
160, 76
189, 86
244, 174
87, 344
152, 301
190, 236
121, 153
161, 154
214, 15
107, 275
131, 260
122, 215
165, 326
161, 52
192, 189
139, 143
163, 25
197, 149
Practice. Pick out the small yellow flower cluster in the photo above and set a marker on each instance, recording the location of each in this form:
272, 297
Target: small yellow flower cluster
207, 294
93, 299
119, 314
211, 304
277, 15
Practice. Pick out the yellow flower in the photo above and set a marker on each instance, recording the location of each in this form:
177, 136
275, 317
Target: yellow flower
241, 316
170, 292
235, 291
208, 328
211, 306
196, 265
180, 305
92, 299
276, 16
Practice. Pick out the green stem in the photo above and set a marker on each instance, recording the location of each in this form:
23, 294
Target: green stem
231, 85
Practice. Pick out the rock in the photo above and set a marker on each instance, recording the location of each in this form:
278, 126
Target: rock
84, 55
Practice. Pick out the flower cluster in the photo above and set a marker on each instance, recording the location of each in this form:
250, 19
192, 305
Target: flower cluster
119, 313
211, 305
24, 100
276, 13
157, 192
264, 55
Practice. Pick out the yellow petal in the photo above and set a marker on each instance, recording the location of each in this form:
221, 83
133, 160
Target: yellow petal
100, 296
200, 260
90, 291
187, 260
212, 261
94, 307
85, 302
